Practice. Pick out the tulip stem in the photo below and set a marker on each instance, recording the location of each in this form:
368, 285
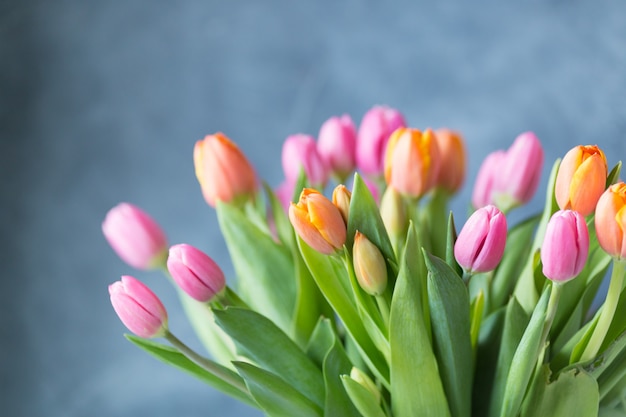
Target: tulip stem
383, 306
608, 311
553, 303
223, 373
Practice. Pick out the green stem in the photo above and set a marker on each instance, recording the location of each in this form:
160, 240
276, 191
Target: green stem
383, 306
608, 311
210, 366
553, 303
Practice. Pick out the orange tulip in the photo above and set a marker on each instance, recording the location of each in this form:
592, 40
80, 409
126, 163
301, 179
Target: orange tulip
610, 220
453, 160
581, 179
318, 222
341, 199
412, 161
223, 171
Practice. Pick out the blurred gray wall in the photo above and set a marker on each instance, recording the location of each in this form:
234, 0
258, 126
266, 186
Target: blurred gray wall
101, 102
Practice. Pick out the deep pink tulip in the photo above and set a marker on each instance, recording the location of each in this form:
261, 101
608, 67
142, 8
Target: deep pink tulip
336, 144
374, 131
300, 152
195, 272
480, 245
135, 236
484, 185
565, 246
138, 307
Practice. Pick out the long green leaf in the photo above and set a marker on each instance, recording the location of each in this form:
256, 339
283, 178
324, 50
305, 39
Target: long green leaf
364, 401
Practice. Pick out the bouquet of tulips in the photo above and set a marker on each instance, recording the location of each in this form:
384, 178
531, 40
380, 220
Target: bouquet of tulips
369, 303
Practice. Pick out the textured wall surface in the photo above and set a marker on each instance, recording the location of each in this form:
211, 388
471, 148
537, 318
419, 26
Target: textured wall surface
101, 102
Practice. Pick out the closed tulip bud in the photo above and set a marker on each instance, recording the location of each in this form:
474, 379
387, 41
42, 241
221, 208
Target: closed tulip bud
318, 222
300, 153
581, 179
341, 200
480, 245
412, 161
374, 131
453, 160
366, 382
482, 194
135, 236
223, 171
138, 307
369, 265
610, 221
565, 246
336, 144
393, 212
195, 272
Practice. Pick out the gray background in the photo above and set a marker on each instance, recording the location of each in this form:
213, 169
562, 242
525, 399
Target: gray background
101, 102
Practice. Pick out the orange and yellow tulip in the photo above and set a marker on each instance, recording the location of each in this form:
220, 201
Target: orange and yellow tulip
610, 220
453, 160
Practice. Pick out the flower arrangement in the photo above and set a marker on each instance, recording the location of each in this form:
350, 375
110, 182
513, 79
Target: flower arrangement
369, 303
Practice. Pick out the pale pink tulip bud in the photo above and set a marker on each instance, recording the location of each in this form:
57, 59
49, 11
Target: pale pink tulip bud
565, 246
487, 174
138, 307
480, 245
300, 153
135, 236
195, 272
336, 145
374, 131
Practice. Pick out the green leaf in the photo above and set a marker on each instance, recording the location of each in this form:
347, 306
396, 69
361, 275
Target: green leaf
613, 176
449, 313
320, 342
525, 359
451, 239
411, 351
476, 316
261, 340
283, 226
275, 396
364, 401
264, 269
172, 356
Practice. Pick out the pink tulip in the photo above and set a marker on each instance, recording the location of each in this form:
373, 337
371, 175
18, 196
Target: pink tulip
336, 145
376, 127
480, 245
300, 153
138, 307
195, 272
135, 236
565, 246
487, 174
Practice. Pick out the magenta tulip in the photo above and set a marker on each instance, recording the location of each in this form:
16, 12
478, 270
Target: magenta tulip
480, 245
565, 246
195, 272
300, 153
336, 144
374, 131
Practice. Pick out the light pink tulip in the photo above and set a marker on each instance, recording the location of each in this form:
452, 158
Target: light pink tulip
485, 180
138, 307
480, 245
300, 152
336, 144
135, 236
565, 246
195, 272
374, 131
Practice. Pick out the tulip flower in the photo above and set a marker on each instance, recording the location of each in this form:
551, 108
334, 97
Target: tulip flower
412, 161
223, 171
610, 221
565, 246
482, 194
480, 245
341, 199
138, 308
369, 265
336, 145
318, 222
195, 272
300, 153
453, 159
135, 236
374, 131
581, 179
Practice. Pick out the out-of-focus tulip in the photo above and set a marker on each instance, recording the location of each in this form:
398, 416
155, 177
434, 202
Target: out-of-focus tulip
482, 194
565, 246
341, 200
195, 272
480, 245
135, 236
223, 171
581, 179
336, 144
138, 307
318, 222
393, 212
369, 265
412, 161
300, 153
365, 381
610, 221
374, 131
453, 159
284, 192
